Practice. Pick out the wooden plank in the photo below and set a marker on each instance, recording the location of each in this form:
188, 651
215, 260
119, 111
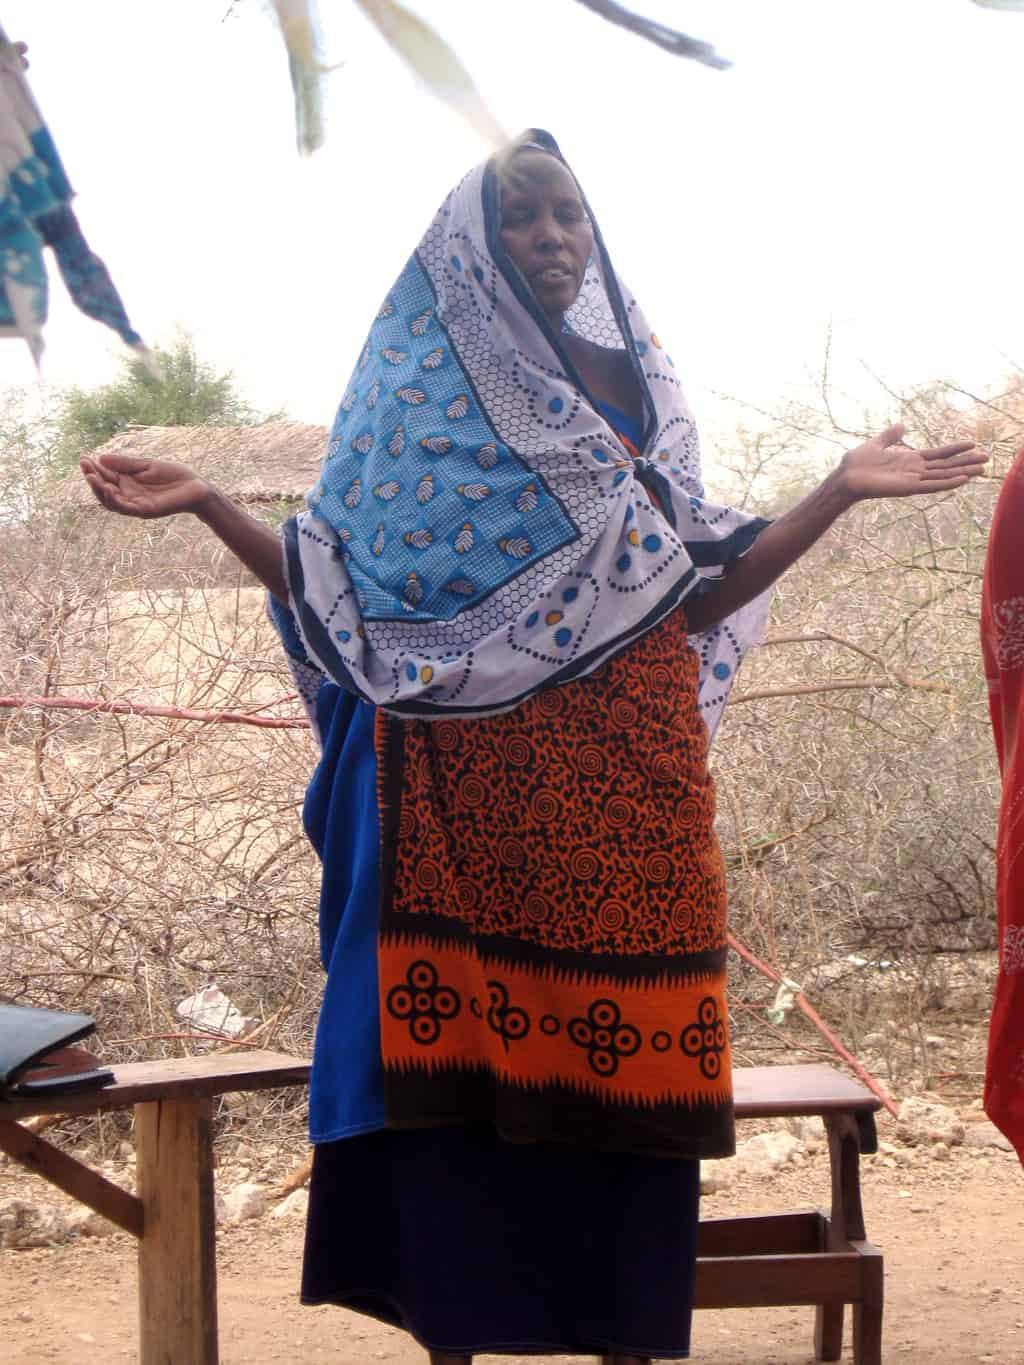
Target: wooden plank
776, 1281
777, 1091
760, 1092
761, 1235
89, 1188
177, 1255
172, 1078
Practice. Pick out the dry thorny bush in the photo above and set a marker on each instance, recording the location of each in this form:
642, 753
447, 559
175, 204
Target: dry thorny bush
144, 857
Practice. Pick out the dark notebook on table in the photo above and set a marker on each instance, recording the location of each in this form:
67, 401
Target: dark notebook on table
36, 1056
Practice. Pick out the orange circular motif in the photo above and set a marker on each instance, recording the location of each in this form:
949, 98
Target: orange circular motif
623, 712
664, 768
584, 864
619, 812
658, 867
682, 917
446, 734
428, 875
590, 760
537, 908
518, 751
465, 894
551, 702
688, 813
544, 805
660, 678
611, 916
512, 853
553, 618
472, 790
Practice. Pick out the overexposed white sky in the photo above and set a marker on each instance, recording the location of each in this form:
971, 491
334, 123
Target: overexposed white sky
859, 165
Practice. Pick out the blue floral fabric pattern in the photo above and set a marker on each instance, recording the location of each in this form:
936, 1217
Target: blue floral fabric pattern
35, 195
433, 509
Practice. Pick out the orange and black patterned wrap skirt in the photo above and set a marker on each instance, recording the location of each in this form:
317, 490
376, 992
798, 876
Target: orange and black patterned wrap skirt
553, 916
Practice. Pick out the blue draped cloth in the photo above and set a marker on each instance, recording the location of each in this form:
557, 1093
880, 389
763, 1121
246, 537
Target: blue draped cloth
340, 815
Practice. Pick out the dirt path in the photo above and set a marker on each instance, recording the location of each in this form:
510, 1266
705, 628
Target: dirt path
952, 1228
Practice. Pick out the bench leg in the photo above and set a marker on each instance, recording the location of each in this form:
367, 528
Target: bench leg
867, 1315
828, 1331
177, 1252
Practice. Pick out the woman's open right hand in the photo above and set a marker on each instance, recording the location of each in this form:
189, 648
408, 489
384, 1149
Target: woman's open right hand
137, 487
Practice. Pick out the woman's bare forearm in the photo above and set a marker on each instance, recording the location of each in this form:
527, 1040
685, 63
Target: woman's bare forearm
778, 547
256, 545
883, 467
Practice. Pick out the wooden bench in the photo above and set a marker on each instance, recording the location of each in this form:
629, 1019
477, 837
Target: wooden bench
780, 1259
817, 1258
173, 1214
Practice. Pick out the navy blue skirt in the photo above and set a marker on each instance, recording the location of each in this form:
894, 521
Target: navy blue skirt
474, 1244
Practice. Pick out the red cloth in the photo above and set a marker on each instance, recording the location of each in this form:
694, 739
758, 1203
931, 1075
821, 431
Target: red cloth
1002, 643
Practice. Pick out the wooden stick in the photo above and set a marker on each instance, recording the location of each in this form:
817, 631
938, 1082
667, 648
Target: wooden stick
128, 708
840, 685
807, 1009
296, 1179
69, 1175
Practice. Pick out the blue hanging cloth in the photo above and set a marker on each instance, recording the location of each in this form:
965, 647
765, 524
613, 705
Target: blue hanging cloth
35, 212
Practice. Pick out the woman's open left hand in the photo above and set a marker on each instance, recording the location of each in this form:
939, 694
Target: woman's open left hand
886, 468
144, 488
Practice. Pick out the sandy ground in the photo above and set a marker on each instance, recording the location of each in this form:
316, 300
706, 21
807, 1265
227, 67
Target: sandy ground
951, 1227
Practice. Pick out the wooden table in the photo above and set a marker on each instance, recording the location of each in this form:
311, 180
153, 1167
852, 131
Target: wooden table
173, 1213
817, 1258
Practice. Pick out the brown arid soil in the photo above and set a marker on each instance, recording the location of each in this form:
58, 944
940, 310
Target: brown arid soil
951, 1224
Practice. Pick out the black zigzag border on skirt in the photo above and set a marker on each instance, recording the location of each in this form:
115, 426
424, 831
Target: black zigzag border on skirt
442, 931
416, 1097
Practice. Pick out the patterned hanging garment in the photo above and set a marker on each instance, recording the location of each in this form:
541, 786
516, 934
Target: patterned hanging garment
35, 212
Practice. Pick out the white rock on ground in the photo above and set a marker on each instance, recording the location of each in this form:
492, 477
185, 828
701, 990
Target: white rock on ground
928, 1121
986, 1135
294, 1205
244, 1201
766, 1153
24, 1225
761, 1155
84, 1222
715, 1175
809, 1131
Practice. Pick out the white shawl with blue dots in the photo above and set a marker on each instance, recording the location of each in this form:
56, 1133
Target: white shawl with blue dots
479, 532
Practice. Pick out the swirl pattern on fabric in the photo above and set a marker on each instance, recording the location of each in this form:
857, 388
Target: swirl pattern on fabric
578, 914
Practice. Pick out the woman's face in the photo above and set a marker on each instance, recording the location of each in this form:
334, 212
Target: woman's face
545, 229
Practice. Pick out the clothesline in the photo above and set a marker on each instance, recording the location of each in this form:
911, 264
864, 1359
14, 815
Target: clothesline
130, 708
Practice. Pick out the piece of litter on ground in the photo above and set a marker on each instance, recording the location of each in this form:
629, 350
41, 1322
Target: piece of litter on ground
210, 1011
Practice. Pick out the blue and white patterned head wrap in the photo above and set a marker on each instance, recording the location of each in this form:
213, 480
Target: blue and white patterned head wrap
478, 531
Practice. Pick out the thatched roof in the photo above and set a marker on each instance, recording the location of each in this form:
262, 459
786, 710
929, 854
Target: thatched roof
269, 463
